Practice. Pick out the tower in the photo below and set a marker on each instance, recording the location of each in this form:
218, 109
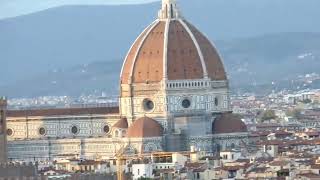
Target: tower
3, 138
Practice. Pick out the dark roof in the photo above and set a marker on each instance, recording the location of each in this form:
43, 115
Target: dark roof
63, 111
279, 163
233, 168
309, 175
258, 170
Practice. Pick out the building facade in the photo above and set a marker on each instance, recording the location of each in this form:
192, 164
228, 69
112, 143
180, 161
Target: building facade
174, 94
3, 140
36, 135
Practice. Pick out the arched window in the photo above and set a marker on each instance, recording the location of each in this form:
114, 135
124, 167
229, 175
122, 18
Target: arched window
216, 101
124, 132
116, 133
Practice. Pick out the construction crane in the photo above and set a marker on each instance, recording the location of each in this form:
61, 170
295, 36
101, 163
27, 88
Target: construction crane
119, 160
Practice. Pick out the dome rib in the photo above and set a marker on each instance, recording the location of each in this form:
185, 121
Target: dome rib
183, 58
205, 74
139, 49
212, 58
170, 50
128, 64
148, 63
165, 49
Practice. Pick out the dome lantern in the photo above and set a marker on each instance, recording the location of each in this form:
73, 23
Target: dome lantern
169, 10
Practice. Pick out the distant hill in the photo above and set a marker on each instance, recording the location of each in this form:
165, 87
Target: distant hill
64, 37
272, 57
252, 65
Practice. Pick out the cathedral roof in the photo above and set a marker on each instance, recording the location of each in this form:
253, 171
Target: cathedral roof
122, 123
171, 48
62, 111
145, 127
228, 123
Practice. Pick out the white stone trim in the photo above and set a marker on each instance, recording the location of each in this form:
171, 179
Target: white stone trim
152, 26
215, 48
195, 84
135, 41
205, 73
164, 12
165, 49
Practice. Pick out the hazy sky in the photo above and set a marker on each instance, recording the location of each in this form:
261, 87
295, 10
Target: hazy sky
12, 8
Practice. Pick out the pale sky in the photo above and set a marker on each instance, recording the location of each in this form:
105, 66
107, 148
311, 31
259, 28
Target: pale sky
13, 8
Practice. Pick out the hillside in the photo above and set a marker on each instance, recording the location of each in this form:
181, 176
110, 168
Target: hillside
252, 65
65, 37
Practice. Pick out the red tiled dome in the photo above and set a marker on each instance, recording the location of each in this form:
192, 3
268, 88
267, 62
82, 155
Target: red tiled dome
172, 49
122, 123
145, 127
228, 123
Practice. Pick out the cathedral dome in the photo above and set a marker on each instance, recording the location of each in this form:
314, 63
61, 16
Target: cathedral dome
145, 127
228, 123
172, 49
122, 124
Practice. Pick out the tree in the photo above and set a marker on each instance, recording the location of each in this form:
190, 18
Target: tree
268, 115
295, 113
306, 101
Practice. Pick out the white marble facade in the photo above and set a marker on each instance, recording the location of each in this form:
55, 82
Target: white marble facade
184, 103
42, 138
86, 136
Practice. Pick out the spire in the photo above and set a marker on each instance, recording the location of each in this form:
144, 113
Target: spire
169, 10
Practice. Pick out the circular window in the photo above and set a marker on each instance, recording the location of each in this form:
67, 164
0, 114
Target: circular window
148, 105
42, 131
186, 103
216, 101
106, 129
74, 130
9, 132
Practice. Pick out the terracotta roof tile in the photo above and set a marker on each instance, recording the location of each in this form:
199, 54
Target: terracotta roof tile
183, 58
122, 123
212, 59
228, 123
145, 60
145, 127
63, 112
148, 66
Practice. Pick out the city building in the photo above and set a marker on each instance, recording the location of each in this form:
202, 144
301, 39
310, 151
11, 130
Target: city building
3, 139
174, 94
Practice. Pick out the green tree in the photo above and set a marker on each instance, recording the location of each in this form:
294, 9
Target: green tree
268, 115
306, 101
295, 113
